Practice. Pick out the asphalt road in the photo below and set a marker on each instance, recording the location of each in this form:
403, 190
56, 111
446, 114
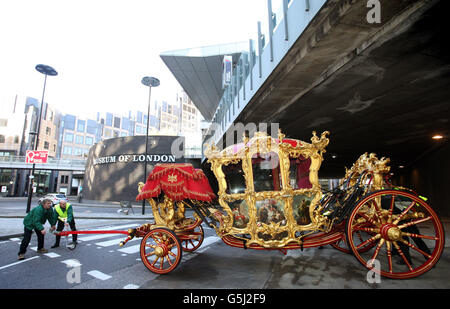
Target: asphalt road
99, 263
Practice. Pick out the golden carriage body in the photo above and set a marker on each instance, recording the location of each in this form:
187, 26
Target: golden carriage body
269, 198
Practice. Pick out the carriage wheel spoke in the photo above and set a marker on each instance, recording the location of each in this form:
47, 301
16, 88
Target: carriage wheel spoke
402, 255
370, 220
414, 222
161, 264
377, 210
389, 255
391, 209
172, 254
404, 212
368, 241
168, 260
415, 248
377, 250
366, 229
154, 262
421, 236
150, 254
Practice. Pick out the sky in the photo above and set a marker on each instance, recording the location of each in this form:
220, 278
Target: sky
102, 49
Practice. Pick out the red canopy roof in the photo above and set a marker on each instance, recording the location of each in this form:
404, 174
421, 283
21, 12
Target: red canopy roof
178, 181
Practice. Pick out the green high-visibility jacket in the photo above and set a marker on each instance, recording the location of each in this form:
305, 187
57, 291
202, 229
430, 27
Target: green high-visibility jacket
64, 213
37, 217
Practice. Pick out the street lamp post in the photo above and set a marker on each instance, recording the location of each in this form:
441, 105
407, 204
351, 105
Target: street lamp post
46, 70
149, 82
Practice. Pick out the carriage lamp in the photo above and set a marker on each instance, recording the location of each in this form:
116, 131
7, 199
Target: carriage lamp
437, 137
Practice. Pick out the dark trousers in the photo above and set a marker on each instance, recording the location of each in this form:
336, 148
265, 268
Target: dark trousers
60, 227
26, 240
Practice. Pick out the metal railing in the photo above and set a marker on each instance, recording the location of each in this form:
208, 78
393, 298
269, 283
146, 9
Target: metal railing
18, 162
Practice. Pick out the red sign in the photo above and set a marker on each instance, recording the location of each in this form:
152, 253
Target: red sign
36, 156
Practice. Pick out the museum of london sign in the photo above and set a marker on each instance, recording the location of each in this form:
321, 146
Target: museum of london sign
125, 158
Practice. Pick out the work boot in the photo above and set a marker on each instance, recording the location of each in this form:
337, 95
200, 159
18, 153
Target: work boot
43, 250
21, 257
55, 246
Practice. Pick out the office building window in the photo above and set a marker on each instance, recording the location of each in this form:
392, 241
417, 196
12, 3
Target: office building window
79, 139
139, 117
81, 125
117, 122
67, 150
108, 133
48, 130
68, 138
109, 119
69, 122
89, 140
91, 127
46, 145
77, 151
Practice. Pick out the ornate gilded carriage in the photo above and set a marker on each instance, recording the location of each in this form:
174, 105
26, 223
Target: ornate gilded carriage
270, 198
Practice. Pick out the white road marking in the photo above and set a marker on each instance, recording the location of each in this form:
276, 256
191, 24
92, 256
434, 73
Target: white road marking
131, 249
112, 242
15, 239
100, 236
52, 255
95, 237
209, 241
4, 241
33, 248
71, 263
99, 275
15, 263
131, 286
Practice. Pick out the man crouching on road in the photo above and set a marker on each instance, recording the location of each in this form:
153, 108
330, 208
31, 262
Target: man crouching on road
34, 221
65, 217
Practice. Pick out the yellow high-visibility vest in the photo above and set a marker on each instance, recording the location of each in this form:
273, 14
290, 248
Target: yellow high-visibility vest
61, 213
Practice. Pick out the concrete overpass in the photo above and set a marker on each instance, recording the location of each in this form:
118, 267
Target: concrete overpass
377, 87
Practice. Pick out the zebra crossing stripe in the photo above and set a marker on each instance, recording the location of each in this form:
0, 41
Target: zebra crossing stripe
113, 242
131, 286
99, 275
71, 263
131, 249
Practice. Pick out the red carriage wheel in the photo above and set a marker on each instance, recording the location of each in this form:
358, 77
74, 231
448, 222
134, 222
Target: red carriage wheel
192, 240
161, 250
407, 237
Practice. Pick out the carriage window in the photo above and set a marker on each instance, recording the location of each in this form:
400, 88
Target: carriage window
299, 173
266, 172
234, 176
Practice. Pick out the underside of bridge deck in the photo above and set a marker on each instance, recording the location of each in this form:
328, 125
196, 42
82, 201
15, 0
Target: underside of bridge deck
380, 88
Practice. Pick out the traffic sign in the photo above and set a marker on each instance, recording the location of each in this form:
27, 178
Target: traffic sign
36, 156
